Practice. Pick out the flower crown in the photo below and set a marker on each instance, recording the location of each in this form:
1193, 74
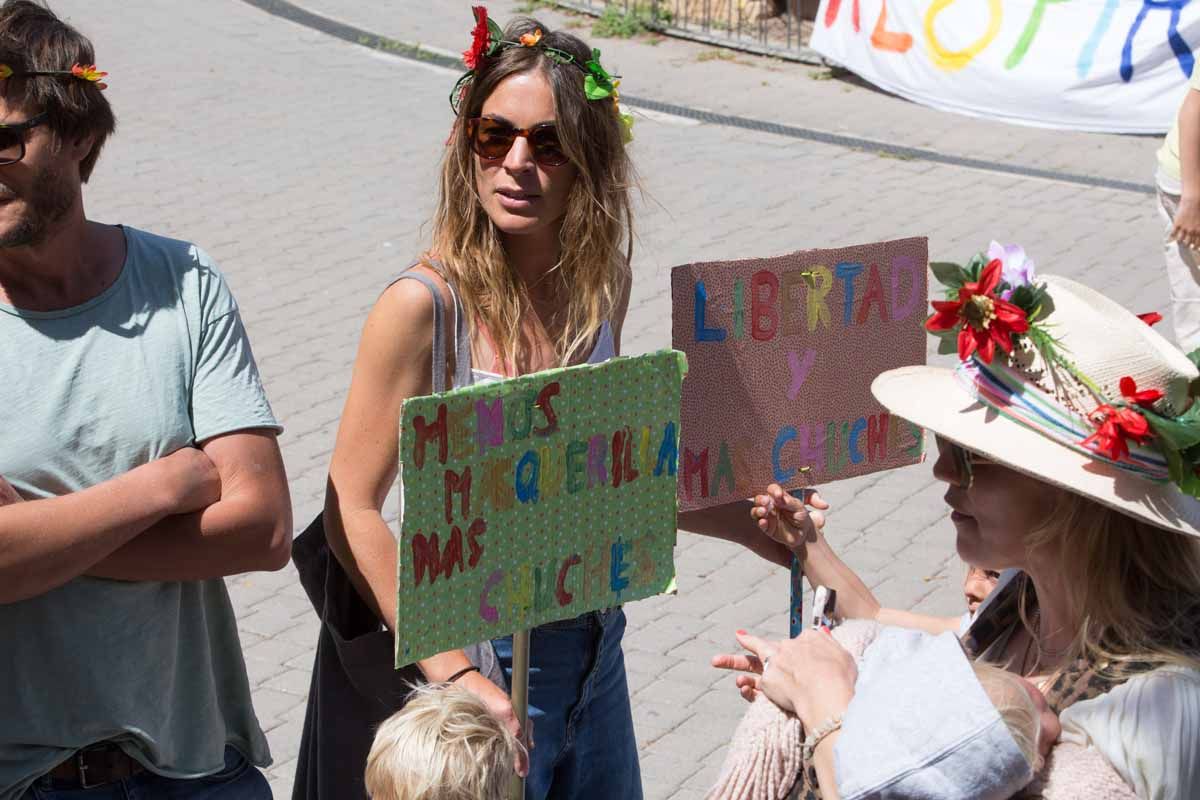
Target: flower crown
83, 72
487, 41
995, 302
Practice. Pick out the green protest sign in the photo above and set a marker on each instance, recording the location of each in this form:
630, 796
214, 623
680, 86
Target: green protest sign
536, 499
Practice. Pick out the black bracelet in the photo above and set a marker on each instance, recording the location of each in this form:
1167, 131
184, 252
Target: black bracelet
460, 673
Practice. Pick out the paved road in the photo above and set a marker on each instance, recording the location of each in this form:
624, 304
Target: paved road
305, 165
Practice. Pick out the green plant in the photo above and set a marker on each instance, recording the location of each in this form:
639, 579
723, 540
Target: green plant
618, 22
715, 55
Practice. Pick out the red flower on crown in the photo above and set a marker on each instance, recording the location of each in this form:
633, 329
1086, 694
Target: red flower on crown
986, 321
479, 38
1113, 427
1145, 398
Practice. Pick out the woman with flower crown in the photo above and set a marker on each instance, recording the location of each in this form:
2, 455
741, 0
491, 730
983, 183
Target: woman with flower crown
1069, 437
529, 269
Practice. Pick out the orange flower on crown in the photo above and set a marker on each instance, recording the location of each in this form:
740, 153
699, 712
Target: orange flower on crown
89, 72
5, 71
531, 39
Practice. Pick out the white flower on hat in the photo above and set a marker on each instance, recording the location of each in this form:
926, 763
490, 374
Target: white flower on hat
1017, 269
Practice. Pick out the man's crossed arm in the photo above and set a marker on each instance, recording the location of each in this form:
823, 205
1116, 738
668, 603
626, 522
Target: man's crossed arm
201, 513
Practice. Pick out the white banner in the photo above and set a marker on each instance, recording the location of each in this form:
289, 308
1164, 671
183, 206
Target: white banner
1091, 65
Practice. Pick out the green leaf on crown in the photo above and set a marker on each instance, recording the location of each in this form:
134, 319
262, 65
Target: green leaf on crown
975, 266
950, 275
1176, 433
495, 37
1194, 357
1034, 300
1182, 466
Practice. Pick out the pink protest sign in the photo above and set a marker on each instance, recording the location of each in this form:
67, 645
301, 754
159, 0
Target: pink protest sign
781, 354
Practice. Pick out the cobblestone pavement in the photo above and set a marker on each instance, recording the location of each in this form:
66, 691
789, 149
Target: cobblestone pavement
305, 166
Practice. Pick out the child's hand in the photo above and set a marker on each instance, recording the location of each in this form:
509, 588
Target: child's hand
1186, 227
787, 519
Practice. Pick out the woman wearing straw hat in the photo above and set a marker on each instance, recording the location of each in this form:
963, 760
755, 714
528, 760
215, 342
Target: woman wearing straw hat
1070, 442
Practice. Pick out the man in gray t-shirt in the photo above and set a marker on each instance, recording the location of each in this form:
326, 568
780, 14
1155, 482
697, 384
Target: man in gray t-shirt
138, 466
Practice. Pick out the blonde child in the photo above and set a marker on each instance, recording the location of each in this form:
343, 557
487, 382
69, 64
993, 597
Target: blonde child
443, 745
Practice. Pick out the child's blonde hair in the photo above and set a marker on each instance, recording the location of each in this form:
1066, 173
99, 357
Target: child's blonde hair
443, 745
1013, 703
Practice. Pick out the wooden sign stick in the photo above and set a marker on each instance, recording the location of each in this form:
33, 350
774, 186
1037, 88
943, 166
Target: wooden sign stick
520, 699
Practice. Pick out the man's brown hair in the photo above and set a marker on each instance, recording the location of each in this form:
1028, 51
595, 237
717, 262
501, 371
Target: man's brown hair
34, 39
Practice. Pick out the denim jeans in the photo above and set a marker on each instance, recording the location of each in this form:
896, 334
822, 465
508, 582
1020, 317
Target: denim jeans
584, 745
239, 780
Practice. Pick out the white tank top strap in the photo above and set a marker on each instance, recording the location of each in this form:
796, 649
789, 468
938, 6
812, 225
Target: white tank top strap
604, 349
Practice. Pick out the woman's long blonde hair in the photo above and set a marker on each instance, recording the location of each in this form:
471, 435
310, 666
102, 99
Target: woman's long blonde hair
596, 232
1133, 588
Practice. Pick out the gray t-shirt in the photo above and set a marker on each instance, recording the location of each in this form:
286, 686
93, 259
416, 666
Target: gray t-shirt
157, 362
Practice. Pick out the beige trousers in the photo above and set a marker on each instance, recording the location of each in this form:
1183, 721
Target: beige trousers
1183, 278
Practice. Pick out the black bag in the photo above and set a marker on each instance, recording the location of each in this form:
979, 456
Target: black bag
355, 686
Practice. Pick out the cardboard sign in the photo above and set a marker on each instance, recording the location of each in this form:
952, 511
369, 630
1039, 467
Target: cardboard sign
1103, 65
781, 355
536, 499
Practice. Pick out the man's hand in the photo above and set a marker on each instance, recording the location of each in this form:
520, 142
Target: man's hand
189, 478
78, 530
1186, 228
8, 495
230, 513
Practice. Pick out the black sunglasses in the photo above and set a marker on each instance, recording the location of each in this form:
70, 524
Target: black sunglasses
491, 139
12, 138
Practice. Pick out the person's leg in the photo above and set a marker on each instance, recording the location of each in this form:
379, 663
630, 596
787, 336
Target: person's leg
559, 660
239, 780
601, 759
44, 789
1183, 280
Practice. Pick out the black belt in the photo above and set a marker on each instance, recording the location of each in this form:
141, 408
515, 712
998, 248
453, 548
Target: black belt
96, 765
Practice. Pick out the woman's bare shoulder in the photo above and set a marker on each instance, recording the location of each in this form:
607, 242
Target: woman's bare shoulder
408, 302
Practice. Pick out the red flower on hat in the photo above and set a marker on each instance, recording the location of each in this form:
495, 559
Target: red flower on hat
1151, 318
1145, 398
1113, 427
986, 321
479, 38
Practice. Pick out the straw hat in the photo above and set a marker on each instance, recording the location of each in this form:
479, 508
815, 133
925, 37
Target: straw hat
1087, 396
